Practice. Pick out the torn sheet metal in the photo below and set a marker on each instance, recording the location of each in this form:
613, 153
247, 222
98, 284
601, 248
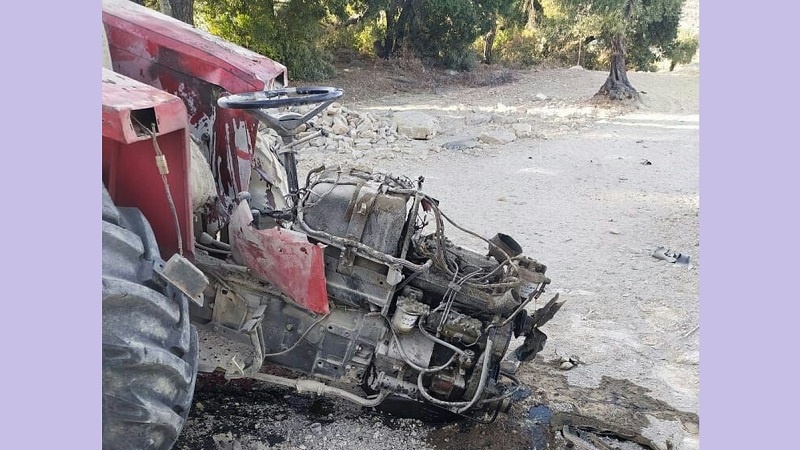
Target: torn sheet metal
282, 257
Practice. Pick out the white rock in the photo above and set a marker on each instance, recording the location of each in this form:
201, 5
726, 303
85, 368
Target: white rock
502, 118
522, 129
339, 120
416, 124
327, 120
340, 129
540, 97
497, 137
364, 125
367, 134
303, 135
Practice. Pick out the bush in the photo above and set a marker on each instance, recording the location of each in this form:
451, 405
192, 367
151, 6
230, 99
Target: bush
517, 48
445, 30
289, 34
683, 50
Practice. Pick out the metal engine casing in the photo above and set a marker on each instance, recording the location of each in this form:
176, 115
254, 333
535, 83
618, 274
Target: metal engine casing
354, 208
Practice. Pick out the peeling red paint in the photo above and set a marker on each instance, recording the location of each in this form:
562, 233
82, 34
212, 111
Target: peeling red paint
128, 159
282, 257
197, 67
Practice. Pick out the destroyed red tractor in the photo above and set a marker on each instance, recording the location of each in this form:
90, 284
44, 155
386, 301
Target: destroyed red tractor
216, 258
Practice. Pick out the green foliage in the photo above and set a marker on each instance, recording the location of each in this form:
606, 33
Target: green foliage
683, 50
303, 34
445, 30
517, 47
288, 31
649, 27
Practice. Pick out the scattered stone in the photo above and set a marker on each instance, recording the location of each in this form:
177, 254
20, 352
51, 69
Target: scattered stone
367, 134
340, 129
566, 365
460, 145
497, 137
614, 232
522, 130
365, 125
502, 118
478, 119
416, 124
540, 97
340, 120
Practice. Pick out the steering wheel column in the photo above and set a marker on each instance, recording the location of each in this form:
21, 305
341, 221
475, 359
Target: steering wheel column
257, 104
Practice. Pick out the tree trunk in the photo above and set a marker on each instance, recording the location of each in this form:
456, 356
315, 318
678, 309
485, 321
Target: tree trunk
617, 86
488, 42
182, 10
534, 10
395, 21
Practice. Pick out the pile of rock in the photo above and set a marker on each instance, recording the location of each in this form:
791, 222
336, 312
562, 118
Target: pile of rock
346, 130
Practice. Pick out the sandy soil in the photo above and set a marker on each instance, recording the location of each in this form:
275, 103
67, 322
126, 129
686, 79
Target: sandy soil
591, 194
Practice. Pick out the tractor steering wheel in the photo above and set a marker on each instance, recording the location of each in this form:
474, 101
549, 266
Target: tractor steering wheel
279, 98
285, 124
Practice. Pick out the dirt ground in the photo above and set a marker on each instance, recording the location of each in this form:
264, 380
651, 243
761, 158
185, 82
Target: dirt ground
591, 193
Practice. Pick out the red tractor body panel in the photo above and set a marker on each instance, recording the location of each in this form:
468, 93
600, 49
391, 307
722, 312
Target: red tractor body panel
197, 67
129, 157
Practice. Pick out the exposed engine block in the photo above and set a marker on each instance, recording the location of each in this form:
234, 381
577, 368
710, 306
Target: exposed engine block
411, 314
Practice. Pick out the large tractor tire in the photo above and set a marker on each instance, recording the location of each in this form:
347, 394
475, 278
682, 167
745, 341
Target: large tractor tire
149, 345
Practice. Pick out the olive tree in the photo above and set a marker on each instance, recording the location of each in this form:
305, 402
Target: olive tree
637, 32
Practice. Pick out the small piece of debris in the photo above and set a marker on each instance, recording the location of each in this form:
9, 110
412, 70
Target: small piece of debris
668, 255
615, 232
646, 162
